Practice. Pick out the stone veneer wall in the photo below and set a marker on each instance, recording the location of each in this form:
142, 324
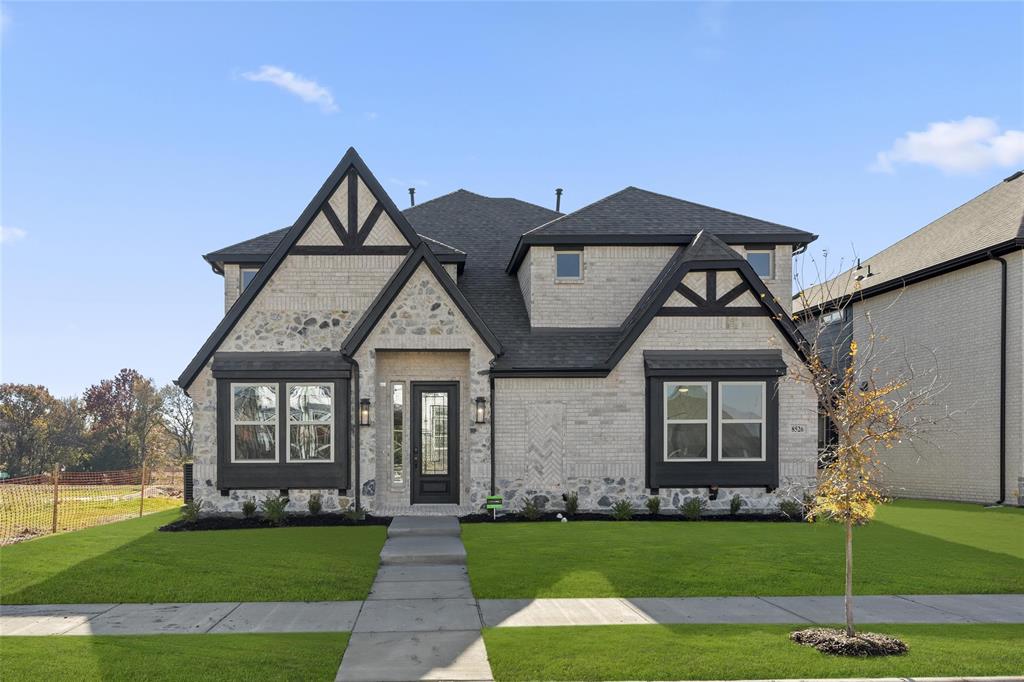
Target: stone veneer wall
423, 318
311, 303
587, 435
951, 324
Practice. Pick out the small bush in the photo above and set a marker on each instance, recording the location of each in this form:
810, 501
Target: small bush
355, 514
572, 503
274, 509
735, 504
622, 510
693, 507
249, 508
315, 504
791, 508
190, 512
531, 510
653, 505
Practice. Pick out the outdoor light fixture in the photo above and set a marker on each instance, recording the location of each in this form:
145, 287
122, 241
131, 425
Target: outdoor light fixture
364, 411
481, 410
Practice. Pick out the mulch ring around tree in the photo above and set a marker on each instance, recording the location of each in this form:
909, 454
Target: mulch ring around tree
292, 520
837, 643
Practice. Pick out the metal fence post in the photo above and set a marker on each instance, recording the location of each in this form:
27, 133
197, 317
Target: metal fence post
142, 491
56, 495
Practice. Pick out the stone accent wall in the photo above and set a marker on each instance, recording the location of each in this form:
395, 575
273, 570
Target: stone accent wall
311, 303
950, 324
614, 279
423, 318
593, 429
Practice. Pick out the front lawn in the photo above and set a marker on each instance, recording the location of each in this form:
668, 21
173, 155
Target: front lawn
913, 547
731, 652
132, 562
313, 656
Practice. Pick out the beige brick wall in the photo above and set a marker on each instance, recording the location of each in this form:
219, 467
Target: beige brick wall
595, 426
232, 284
947, 327
781, 283
1015, 379
524, 274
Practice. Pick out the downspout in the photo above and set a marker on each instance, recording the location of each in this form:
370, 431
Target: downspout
493, 412
354, 410
1002, 382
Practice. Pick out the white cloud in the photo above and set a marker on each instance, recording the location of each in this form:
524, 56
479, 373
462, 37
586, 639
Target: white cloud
11, 234
963, 146
305, 89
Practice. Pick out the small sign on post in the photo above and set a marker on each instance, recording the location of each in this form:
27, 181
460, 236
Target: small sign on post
494, 503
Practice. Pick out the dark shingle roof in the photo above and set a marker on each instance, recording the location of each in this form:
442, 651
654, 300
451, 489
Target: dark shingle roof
257, 248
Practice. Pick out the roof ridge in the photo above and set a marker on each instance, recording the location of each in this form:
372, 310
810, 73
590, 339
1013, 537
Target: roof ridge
438, 241
582, 208
713, 208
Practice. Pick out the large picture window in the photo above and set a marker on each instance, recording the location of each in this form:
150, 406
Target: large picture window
687, 422
741, 420
310, 423
254, 422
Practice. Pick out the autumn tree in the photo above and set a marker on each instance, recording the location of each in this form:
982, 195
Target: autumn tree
24, 411
124, 412
177, 419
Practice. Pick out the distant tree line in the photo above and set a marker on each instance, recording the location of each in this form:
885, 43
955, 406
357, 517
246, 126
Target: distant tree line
118, 423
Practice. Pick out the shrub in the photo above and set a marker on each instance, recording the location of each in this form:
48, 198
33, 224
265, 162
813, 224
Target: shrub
693, 507
274, 509
249, 508
653, 505
315, 504
735, 504
791, 508
356, 513
622, 510
190, 511
572, 503
531, 510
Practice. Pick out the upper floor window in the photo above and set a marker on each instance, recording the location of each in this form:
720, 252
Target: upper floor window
568, 266
831, 317
762, 262
248, 274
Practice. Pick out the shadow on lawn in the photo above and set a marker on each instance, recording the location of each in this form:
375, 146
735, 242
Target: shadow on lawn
695, 559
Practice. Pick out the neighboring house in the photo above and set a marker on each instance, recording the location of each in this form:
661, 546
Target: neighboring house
948, 299
418, 361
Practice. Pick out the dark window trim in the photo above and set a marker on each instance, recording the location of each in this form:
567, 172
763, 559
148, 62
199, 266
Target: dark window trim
282, 474
728, 473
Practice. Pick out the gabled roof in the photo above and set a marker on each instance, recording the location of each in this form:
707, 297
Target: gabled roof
637, 216
991, 223
595, 352
384, 298
351, 161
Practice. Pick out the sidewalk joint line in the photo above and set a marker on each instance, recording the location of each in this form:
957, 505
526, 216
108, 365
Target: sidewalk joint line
934, 608
783, 608
221, 619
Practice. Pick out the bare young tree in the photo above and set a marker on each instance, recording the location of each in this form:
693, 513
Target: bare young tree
177, 416
871, 395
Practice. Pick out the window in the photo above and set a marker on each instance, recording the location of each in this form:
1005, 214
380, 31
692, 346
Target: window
687, 421
397, 431
831, 317
761, 261
310, 423
253, 422
741, 420
247, 276
569, 266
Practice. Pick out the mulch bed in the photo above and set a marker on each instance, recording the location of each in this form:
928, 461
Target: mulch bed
485, 517
293, 521
837, 643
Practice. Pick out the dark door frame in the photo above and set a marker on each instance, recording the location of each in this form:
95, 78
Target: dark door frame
417, 388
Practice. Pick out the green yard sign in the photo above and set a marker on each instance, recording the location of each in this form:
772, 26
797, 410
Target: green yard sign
494, 502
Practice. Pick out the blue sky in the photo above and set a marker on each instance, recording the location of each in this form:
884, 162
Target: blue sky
136, 137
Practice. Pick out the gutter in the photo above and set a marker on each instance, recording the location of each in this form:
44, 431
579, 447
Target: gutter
1002, 380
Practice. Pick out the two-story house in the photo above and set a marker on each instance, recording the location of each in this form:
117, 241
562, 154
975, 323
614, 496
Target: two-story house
418, 361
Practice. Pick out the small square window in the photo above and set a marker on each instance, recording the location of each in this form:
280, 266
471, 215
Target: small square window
761, 261
248, 275
569, 265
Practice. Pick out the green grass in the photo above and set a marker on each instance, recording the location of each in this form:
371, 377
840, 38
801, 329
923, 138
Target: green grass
913, 547
173, 657
710, 652
131, 562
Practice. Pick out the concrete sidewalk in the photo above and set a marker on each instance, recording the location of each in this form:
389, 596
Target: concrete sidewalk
414, 598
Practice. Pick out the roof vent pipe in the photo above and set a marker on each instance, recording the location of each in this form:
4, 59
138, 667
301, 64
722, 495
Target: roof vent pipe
558, 199
412, 196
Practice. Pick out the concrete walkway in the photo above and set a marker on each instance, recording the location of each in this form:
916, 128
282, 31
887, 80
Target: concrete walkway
437, 597
420, 621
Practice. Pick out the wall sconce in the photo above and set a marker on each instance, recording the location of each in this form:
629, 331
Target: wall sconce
364, 411
481, 410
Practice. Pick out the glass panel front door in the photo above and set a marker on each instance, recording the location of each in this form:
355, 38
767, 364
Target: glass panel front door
435, 442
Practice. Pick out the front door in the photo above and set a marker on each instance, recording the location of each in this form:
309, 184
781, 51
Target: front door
435, 442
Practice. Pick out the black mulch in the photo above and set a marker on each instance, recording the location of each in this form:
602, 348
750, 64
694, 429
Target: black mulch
292, 521
485, 517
